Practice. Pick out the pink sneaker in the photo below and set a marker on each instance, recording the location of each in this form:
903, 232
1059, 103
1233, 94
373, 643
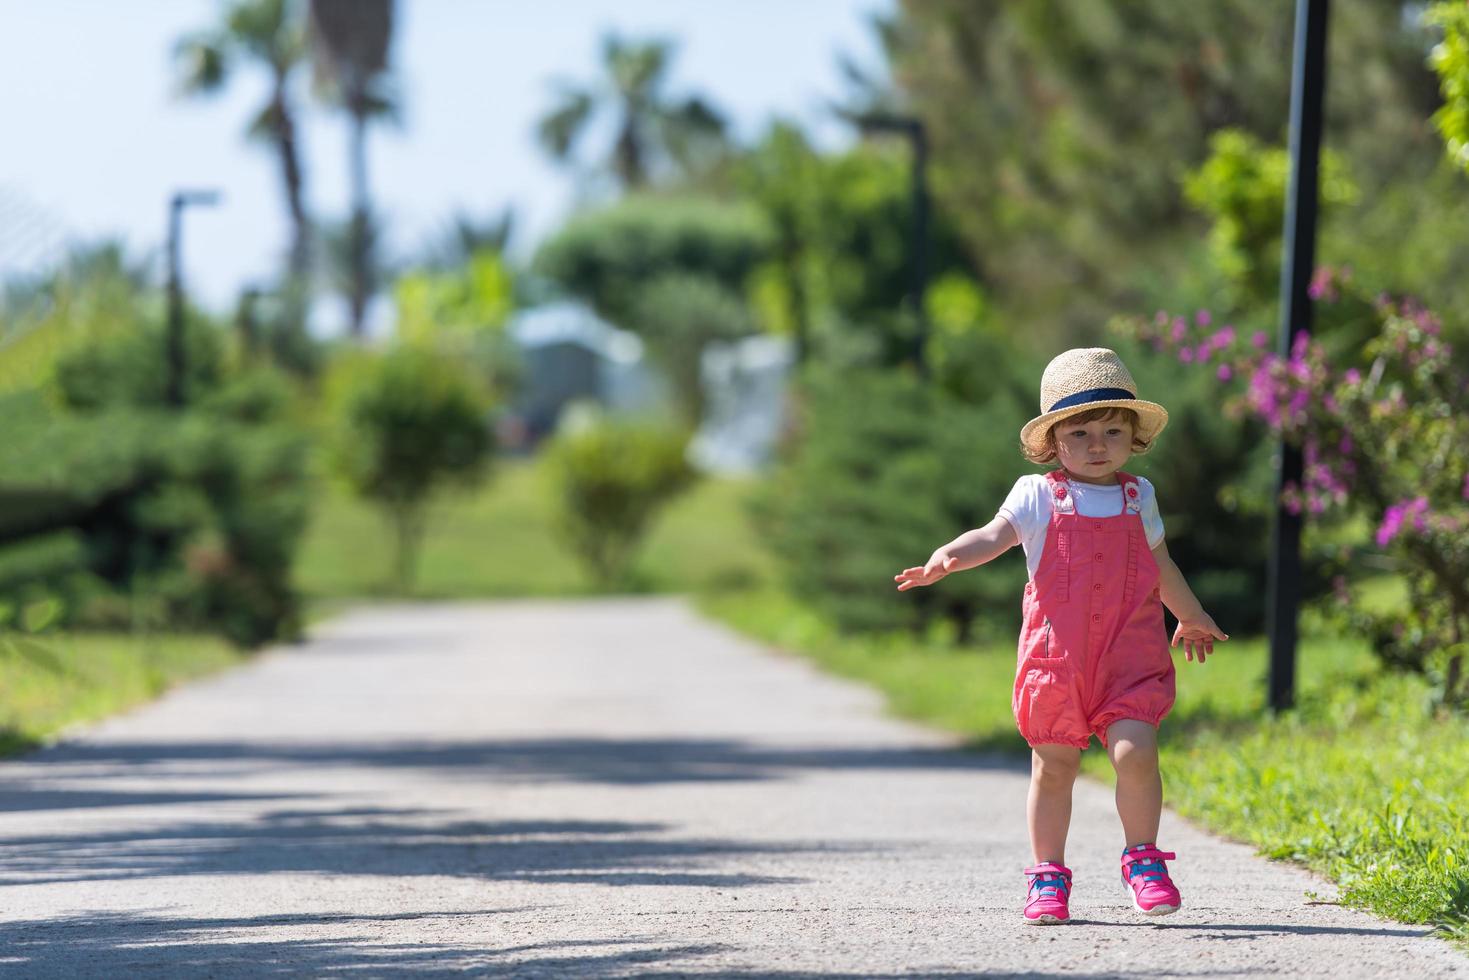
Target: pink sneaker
1153, 892
1048, 888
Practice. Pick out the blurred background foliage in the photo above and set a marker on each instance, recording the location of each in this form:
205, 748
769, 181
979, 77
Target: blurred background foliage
1087, 160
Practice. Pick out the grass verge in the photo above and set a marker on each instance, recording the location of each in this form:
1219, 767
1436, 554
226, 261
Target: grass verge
501, 541
52, 681
1363, 782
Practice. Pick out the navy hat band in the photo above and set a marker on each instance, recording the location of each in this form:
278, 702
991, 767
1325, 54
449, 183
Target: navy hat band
1093, 395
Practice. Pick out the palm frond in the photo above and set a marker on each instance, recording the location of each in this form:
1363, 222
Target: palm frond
351, 37
637, 67
693, 134
203, 63
263, 27
558, 130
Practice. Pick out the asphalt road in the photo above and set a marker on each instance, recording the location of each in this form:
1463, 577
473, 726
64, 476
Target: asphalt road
592, 789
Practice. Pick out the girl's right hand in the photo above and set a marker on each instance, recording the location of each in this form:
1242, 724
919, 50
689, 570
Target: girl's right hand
939, 565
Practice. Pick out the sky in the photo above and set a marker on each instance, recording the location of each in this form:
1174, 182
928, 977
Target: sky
96, 138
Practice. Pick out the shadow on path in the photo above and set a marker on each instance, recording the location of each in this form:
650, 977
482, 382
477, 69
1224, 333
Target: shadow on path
111, 945
590, 760
1252, 930
391, 842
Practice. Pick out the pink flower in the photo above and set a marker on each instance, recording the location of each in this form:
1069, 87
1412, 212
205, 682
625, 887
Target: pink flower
1352, 376
1180, 328
1259, 340
1186, 355
1415, 510
1225, 373
1392, 521
1203, 318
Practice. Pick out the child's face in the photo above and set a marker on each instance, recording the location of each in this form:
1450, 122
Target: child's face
1093, 452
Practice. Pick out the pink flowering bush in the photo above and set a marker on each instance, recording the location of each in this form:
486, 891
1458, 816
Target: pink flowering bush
1376, 401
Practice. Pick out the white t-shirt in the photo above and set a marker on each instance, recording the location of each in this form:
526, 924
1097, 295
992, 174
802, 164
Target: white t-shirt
1028, 509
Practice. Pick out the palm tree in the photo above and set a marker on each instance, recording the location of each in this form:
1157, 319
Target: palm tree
351, 40
271, 33
652, 129
466, 235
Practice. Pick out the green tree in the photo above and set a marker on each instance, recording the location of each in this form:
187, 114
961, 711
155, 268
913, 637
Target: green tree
462, 312
614, 477
269, 33
655, 132
1060, 129
679, 316
782, 174
838, 272
351, 40
606, 258
410, 422
1450, 59
1241, 187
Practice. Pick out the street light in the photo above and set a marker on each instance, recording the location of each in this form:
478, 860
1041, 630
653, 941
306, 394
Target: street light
912, 128
175, 335
1298, 256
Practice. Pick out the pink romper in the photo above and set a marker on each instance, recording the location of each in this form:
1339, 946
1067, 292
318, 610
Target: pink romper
1094, 649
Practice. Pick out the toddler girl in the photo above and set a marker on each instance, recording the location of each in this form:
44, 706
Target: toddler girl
1094, 654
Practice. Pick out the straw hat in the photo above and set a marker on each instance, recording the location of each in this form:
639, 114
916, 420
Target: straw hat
1083, 379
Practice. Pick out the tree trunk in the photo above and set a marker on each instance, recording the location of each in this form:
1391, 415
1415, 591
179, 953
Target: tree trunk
408, 528
297, 286
358, 236
628, 155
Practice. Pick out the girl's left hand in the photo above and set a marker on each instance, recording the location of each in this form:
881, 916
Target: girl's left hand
1198, 636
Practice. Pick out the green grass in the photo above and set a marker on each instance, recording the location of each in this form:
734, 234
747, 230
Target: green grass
1364, 782
51, 681
501, 541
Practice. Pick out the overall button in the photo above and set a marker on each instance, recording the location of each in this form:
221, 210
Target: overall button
1096, 617
1097, 526
1098, 556
1097, 587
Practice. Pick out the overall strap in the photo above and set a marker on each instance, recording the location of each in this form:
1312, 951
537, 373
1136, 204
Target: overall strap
1132, 504
1132, 495
1061, 503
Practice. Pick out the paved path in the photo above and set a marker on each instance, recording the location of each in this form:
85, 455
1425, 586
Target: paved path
591, 790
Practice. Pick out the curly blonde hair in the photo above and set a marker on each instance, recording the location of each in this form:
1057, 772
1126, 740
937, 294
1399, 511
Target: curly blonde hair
1139, 446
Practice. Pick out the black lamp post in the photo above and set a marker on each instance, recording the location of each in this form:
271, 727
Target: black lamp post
175, 338
1298, 258
912, 128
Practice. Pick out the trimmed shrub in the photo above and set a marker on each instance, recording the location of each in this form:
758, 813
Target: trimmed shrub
612, 478
409, 423
606, 258
679, 315
887, 469
125, 496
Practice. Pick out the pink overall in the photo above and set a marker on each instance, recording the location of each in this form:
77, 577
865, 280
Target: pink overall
1093, 649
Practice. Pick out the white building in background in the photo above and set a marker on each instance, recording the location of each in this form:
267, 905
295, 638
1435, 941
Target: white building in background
745, 403
571, 355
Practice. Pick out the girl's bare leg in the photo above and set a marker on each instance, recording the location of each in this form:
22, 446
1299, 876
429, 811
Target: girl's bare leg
1133, 748
1048, 807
